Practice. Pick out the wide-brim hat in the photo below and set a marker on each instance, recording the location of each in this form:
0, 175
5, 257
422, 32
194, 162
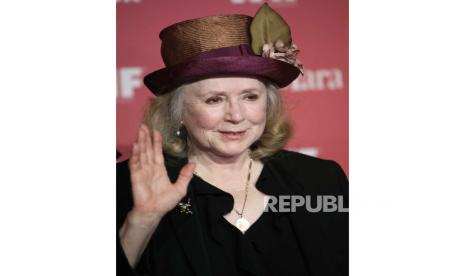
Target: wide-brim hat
226, 45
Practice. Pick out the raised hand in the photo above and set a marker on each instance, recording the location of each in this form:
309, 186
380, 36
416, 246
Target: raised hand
153, 192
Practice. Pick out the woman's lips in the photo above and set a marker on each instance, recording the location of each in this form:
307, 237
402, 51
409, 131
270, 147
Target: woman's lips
233, 135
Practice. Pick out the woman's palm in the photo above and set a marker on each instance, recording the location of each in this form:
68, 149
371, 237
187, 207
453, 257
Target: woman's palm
152, 189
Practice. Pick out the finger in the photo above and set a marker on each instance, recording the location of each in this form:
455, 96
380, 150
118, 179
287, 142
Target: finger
185, 176
134, 161
158, 147
148, 145
142, 149
134, 153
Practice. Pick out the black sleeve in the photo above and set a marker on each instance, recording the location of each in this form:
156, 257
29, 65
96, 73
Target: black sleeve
342, 182
123, 268
339, 225
124, 204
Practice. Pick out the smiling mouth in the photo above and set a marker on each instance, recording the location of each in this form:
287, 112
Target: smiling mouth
234, 135
232, 131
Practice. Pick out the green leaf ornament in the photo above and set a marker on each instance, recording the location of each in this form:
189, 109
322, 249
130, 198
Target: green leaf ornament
268, 27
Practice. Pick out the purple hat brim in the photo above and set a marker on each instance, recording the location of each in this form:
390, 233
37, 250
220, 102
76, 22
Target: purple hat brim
279, 72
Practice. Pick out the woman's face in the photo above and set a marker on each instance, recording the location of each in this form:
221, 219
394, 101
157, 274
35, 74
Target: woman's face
225, 116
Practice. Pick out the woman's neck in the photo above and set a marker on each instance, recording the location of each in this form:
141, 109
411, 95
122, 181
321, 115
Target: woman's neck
212, 162
227, 170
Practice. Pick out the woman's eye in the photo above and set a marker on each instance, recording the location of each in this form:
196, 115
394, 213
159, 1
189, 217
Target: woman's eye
213, 100
251, 97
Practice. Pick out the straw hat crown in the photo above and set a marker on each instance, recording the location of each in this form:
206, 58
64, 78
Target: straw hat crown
226, 45
189, 38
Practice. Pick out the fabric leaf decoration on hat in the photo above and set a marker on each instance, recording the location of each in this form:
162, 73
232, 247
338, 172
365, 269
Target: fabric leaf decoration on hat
271, 37
268, 27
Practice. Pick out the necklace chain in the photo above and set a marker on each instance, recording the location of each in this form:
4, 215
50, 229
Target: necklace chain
241, 213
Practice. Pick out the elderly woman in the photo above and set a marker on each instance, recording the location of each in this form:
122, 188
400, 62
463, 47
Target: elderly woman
193, 199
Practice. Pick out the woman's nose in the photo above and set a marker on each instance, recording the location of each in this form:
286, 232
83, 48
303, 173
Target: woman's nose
234, 112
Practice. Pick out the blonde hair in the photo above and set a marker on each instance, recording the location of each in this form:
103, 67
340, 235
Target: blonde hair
165, 114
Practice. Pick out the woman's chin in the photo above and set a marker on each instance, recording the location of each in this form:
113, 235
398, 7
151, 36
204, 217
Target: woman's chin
232, 150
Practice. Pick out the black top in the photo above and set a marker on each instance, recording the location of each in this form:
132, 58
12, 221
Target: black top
268, 247
204, 243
